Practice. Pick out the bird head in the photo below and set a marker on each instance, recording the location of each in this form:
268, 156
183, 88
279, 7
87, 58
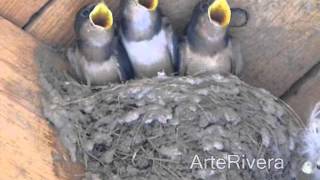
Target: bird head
210, 23
136, 7
140, 19
219, 12
150, 5
94, 23
101, 16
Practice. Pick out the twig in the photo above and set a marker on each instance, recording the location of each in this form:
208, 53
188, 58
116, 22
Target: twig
170, 172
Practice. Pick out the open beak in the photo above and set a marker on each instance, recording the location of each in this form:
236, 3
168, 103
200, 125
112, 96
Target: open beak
219, 11
101, 16
149, 4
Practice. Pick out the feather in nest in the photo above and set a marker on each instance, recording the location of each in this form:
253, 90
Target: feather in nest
312, 144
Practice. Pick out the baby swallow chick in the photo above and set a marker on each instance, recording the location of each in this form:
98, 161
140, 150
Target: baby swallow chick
148, 38
98, 57
207, 46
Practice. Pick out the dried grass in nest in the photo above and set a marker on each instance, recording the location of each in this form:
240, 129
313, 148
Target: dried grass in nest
153, 128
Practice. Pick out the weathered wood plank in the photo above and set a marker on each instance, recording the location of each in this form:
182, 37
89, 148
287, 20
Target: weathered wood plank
280, 43
19, 12
29, 148
55, 25
305, 94
18, 74
179, 12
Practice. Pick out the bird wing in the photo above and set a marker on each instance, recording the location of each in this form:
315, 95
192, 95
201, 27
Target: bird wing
236, 58
173, 44
125, 66
74, 62
182, 56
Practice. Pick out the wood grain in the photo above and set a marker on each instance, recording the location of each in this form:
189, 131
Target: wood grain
179, 12
29, 148
19, 12
280, 43
55, 25
305, 93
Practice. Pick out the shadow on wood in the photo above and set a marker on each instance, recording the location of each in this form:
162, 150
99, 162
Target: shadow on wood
19, 12
29, 148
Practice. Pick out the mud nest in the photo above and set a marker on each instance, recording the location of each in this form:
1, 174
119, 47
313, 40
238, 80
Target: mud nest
154, 128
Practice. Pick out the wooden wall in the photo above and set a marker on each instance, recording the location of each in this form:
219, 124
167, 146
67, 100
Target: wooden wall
29, 149
20, 11
280, 46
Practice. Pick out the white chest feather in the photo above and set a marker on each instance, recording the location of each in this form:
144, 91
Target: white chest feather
194, 63
149, 57
99, 73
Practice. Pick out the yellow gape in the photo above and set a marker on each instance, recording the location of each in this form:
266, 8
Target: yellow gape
149, 4
220, 12
101, 16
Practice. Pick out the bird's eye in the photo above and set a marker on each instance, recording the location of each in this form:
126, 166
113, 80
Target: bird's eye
85, 13
204, 6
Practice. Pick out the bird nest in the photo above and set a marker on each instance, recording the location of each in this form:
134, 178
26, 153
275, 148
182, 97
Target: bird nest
168, 127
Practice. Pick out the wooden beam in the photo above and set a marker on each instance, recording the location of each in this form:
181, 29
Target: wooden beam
305, 93
179, 12
19, 12
55, 25
29, 147
280, 43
